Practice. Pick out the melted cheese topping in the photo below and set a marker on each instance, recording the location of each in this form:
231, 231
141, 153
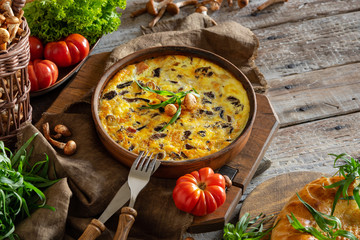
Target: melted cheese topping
221, 113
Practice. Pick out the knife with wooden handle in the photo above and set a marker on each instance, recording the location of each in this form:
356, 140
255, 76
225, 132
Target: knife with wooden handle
96, 226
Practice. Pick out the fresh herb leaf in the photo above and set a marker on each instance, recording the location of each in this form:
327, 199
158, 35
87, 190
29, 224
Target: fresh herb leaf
175, 98
330, 225
247, 228
20, 188
51, 20
350, 170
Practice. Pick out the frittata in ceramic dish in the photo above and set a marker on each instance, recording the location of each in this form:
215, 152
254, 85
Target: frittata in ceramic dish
208, 107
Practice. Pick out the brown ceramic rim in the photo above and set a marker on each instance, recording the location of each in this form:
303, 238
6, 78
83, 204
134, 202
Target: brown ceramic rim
144, 54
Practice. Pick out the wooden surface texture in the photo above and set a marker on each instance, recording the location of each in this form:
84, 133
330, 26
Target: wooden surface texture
309, 54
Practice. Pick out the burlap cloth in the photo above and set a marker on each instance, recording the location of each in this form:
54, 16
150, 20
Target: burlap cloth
91, 177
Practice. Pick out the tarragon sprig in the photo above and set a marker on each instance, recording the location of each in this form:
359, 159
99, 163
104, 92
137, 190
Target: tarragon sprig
247, 228
175, 98
350, 170
330, 225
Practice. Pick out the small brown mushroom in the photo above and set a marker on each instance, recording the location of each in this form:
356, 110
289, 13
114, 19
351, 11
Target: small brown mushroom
154, 8
4, 38
2, 19
170, 109
228, 182
215, 5
157, 17
13, 24
174, 8
63, 130
243, 3
202, 10
69, 148
190, 101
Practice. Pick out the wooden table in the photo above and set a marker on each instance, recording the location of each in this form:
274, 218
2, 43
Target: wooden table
310, 56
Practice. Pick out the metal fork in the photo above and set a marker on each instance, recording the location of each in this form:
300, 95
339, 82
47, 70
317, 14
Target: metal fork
138, 178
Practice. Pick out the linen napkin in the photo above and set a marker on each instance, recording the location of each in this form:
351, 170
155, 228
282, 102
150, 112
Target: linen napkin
91, 177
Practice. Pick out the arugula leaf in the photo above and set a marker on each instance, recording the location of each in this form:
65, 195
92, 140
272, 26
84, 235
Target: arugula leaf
51, 20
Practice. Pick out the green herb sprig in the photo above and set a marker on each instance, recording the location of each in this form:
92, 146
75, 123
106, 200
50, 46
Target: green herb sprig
20, 186
350, 170
174, 98
330, 225
247, 228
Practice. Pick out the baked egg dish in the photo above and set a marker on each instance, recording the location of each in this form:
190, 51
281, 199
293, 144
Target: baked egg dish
179, 107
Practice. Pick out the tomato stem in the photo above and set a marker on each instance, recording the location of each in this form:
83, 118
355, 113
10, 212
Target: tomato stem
202, 185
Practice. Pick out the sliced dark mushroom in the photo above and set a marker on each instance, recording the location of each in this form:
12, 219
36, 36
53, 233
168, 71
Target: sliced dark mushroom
110, 95
187, 134
159, 127
217, 108
131, 148
183, 155
234, 101
123, 92
209, 94
202, 133
189, 147
130, 100
123, 85
174, 82
160, 155
140, 128
156, 72
206, 101
110, 119
158, 136
175, 155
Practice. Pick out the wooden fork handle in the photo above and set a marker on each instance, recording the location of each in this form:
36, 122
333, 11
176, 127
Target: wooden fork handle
126, 220
93, 230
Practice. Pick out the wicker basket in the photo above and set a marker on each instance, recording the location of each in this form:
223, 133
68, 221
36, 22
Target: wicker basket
15, 107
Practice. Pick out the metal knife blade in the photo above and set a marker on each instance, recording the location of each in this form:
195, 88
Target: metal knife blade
120, 198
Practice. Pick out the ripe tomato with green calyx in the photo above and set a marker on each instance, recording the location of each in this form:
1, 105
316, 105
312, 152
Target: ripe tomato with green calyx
65, 53
200, 192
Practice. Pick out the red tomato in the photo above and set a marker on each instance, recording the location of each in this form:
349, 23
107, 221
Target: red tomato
42, 74
68, 52
200, 192
36, 48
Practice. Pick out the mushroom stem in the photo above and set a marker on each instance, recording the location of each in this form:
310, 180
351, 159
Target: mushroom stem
4, 38
157, 18
269, 3
69, 148
203, 10
138, 12
174, 8
230, 3
7, 7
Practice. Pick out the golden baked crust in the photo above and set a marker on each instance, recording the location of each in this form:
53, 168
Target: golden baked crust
321, 199
220, 116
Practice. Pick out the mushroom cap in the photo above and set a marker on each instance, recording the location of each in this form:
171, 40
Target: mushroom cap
173, 9
201, 9
4, 35
70, 148
2, 18
12, 20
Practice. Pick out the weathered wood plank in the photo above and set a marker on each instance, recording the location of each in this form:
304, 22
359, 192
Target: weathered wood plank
305, 147
316, 95
299, 47
291, 11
